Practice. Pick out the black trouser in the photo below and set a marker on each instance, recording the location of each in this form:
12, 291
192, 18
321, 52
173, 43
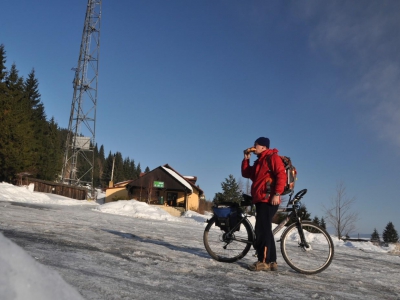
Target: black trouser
265, 243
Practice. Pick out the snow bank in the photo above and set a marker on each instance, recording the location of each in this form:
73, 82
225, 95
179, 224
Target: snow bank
136, 209
366, 246
192, 215
21, 277
9, 192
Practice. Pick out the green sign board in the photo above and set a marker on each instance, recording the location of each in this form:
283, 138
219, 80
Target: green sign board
158, 184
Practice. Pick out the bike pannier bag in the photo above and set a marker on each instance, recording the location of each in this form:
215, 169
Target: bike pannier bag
226, 217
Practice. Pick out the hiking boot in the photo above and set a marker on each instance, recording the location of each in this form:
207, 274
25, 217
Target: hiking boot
273, 266
259, 266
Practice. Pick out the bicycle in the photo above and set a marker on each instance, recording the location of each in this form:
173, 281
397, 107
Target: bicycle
305, 246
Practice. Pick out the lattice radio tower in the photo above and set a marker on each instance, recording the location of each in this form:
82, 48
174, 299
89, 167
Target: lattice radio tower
79, 147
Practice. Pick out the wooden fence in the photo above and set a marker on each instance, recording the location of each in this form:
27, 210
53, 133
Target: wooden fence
70, 191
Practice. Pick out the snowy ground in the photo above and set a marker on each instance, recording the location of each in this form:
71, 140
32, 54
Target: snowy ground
128, 250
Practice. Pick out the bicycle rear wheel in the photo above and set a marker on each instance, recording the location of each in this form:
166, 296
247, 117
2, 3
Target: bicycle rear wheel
307, 260
227, 246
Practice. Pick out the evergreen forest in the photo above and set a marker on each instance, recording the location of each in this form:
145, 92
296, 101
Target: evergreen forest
34, 145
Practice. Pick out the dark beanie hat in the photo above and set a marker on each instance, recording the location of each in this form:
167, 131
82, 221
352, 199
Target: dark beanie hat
262, 141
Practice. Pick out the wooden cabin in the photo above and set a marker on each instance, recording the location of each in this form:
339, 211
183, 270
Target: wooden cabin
165, 186
162, 186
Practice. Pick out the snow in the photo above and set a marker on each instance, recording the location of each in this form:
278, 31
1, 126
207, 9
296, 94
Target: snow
9, 192
53, 247
179, 178
136, 209
21, 277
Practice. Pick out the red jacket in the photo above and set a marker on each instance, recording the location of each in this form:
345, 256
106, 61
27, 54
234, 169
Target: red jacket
260, 174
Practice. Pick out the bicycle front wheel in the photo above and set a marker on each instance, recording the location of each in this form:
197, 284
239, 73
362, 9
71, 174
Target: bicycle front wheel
311, 257
227, 246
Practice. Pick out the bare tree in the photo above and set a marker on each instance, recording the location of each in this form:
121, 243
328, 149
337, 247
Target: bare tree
150, 189
340, 214
140, 193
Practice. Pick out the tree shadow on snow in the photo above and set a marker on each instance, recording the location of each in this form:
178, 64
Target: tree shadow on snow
191, 250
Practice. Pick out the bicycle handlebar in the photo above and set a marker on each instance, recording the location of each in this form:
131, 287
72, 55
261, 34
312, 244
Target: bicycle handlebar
300, 195
247, 200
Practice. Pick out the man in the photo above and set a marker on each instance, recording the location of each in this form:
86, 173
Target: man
268, 182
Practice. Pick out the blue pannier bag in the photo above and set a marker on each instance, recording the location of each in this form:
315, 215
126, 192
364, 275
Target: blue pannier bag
226, 218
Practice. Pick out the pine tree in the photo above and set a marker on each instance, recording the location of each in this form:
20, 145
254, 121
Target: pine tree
33, 95
390, 234
118, 168
17, 127
3, 69
138, 170
107, 169
62, 137
5, 108
100, 165
322, 223
40, 128
316, 220
133, 174
127, 163
231, 191
129, 169
375, 236
51, 154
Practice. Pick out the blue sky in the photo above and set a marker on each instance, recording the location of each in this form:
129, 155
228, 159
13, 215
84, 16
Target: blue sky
194, 83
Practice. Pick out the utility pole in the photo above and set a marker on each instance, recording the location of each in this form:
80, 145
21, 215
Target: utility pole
79, 147
111, 183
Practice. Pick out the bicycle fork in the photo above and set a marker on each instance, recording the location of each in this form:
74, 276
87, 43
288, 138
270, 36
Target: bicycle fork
303, 244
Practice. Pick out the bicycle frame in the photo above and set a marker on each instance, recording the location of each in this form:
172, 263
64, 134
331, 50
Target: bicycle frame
296, 205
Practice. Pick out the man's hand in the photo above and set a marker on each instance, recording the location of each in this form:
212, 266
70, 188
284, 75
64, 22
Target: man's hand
247, 156
275, 200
